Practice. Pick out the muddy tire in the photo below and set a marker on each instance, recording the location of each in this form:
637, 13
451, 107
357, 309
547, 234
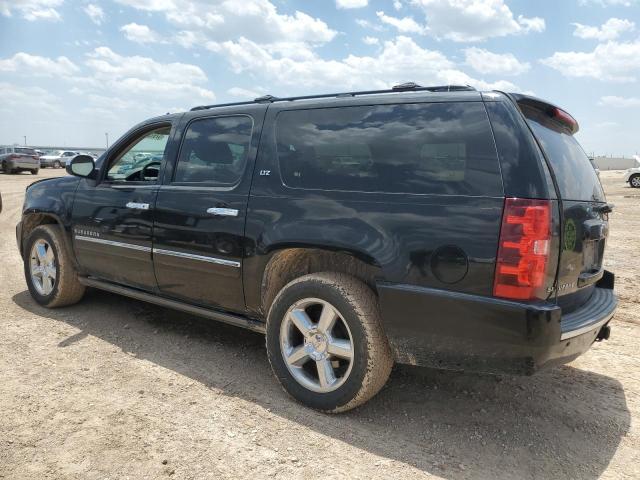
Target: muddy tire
325, 342
49, 271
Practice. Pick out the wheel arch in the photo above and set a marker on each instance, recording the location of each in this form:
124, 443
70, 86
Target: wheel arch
287, 263
31, 219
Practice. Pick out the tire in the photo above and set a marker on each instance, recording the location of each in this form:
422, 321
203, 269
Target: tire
34, 171
57, 164
634, 180
4, 167
357, 322
62, 287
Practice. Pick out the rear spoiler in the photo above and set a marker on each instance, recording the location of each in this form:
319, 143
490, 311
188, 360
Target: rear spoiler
549, 109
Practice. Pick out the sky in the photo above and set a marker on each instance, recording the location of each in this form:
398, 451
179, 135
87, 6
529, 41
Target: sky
73, 70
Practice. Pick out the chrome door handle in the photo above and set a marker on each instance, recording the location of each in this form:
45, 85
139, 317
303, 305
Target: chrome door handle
224, 212
138, 206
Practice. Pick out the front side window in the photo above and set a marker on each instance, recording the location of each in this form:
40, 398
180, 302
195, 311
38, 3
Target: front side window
214, 151
435, 148
141, 161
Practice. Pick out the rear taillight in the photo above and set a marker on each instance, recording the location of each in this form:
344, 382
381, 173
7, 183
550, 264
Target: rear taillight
523, 252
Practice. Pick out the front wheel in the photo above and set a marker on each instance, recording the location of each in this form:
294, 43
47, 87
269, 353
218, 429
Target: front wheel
634, 181
57, 164
325, 342
51, 276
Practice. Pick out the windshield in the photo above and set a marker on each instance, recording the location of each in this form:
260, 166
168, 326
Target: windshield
577, 180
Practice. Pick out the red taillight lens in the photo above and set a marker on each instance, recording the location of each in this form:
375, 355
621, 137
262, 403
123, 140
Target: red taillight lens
523, 252
566, 119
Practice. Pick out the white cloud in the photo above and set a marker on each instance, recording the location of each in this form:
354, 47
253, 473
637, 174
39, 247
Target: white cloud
404, 25
619, 102
19, 98
610, 30
31, 9
94, 12
27, 64
397, 4
486, 62
371, 40
351, 3
361, 22
259, 20
245, 93
611, 61
400, 60
143, 75
475, 20
140, 33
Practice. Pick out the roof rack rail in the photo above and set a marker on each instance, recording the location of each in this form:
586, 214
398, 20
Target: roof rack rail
403, 87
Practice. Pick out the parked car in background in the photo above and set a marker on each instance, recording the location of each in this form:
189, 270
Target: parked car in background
633, 177
57, 158
19, 159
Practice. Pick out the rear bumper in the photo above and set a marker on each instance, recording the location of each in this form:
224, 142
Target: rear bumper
458, 331
23, 163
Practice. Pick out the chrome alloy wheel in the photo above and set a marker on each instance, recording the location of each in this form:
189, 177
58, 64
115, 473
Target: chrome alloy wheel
42, 266
635, 181
316, 345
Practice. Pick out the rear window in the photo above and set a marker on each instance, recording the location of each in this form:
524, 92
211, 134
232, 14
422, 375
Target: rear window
437, 148
577, 180
26, 151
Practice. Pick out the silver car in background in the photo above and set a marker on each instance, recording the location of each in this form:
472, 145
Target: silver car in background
56, 158
18, 159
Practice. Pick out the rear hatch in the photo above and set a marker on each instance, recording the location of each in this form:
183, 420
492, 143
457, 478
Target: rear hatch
26, 156
583, 207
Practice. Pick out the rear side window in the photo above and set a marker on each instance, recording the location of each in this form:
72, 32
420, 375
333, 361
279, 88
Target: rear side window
215, 150
436, 148
577, 180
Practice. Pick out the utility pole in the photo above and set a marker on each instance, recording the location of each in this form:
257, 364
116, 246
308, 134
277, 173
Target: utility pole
25, 140
106, 135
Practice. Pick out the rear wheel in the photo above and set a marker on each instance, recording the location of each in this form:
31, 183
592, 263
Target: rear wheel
57, 164
34, 171
51, 276
325, 342
634, 181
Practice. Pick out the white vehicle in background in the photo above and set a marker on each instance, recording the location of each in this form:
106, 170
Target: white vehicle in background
57, 158
633, 177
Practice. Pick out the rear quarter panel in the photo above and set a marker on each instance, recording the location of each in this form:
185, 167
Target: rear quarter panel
396, 233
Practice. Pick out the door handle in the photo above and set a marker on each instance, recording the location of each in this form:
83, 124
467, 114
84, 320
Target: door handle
223, 212
138, 206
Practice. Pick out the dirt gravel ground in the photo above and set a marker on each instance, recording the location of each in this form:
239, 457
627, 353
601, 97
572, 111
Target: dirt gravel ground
113, 388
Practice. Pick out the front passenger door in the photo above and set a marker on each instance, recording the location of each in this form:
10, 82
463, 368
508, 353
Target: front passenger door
113, 219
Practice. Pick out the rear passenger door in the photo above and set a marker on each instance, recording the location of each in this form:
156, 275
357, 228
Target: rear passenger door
201, 207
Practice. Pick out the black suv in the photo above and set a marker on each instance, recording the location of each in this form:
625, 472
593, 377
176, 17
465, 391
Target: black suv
434, 226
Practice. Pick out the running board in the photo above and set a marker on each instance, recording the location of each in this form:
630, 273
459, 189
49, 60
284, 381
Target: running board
231, 319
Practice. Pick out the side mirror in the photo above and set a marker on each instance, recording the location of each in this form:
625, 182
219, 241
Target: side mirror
81, 166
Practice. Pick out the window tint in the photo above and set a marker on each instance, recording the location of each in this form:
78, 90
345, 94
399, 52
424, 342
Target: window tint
26, 151
438, 148
214, 151
141, 161
577, 180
